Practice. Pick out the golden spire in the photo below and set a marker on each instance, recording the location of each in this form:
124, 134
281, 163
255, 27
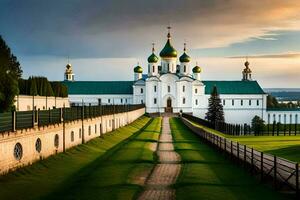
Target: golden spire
184, 48
153, 47
169, 34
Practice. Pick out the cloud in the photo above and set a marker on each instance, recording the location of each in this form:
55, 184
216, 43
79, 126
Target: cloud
281, 56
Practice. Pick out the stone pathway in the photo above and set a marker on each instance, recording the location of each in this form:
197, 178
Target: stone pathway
166, 172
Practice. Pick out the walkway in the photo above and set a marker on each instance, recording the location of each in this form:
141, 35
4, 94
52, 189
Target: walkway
158, 185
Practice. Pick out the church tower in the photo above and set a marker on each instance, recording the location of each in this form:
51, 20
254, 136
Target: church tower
152, 63
69, 76
184, 62
169, 56
196, 72
247, 72
138, 72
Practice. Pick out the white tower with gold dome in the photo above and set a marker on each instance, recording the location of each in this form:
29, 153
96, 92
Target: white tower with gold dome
69, 75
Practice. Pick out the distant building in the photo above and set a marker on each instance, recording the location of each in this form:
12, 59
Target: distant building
170, 86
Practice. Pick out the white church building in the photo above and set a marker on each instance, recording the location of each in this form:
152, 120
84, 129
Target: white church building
175, 87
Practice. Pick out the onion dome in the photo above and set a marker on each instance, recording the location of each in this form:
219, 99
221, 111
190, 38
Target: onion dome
152, 58
197, 69
138, 69
184, 57
168, 51
68, 66
247, 64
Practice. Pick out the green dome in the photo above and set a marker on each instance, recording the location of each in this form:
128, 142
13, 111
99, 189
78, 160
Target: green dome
196, 69
138, 69
152, 58
184, 58
168, 51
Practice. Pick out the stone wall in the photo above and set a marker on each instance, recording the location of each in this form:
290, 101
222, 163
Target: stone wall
26, 102
66, 135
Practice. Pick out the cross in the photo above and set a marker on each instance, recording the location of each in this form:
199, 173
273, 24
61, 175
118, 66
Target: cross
153, 47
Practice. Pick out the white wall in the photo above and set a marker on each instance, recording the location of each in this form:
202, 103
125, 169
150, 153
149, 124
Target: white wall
79, 129
105, 99
25, 102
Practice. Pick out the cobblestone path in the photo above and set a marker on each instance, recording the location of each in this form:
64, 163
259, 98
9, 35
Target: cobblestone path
158, 185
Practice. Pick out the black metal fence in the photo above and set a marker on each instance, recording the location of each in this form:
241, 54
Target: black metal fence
12, 121
274, 129
282, 172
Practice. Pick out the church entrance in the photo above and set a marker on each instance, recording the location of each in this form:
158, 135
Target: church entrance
169, 108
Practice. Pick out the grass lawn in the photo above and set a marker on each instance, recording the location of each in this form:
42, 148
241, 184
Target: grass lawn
287, 147
207, 174
104, 168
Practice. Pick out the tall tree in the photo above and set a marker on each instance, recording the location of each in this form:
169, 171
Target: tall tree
10, 72
215, 108
257, 125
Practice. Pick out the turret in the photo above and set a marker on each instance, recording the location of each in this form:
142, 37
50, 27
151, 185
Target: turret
168, 56
196, 72
184, 62
138, 71
247, 72
69, 76
152, 63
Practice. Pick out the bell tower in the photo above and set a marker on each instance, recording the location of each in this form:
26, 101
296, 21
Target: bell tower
69, 75
247, 73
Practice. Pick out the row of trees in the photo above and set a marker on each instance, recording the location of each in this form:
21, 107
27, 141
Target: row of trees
273, 103
11, 83
10, 73
42, 87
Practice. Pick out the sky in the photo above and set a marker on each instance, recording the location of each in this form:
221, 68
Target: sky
105, 39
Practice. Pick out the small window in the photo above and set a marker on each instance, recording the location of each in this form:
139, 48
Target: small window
154, 88
95, 128
233, 102
126, 100
154, 101
257, 102
196, 91
184, 68
250, 102
142, 90
38, 145
108, 100
153, 68
196, 102
79, 133
242, 102
121, 100
72, 136
90, 130
183, 88
169, 88
18, 151
56, 140
142, 101
224, 102
183, 101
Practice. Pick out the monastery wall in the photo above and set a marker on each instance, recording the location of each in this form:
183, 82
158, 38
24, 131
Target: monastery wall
27, 146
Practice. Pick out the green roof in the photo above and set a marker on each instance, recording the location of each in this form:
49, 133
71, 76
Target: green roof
125, 87
99, 87
283, 109
233, 87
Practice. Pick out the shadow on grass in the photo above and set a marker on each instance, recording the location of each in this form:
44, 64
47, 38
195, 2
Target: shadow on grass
290, 153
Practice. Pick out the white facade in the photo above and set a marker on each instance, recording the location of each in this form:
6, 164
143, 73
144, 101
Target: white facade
174, 85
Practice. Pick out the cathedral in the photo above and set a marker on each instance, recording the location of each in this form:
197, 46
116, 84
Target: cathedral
170, 86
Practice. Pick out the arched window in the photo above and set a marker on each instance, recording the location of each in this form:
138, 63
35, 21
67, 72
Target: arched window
154, 88
184, 68
154, 101
142, 91
153, 68
169, 88
196, 102
168, 67
196, 91
56, 140
183, 100
90, 130
80, 133
95, 128
183, 88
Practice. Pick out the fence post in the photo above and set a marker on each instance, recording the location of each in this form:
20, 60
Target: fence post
297, 180
231, 149
49, 116
64, 130
13, 121
252, 161
238, 150
245, 156
261, 166
275, 172
82, 123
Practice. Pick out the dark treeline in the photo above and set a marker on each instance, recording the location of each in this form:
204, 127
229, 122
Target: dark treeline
42, 87
273, 103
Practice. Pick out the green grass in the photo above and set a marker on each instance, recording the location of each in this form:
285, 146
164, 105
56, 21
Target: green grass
287, 147
208, 174
104, 168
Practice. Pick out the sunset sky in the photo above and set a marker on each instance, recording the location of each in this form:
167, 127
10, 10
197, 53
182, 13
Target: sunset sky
105, 39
